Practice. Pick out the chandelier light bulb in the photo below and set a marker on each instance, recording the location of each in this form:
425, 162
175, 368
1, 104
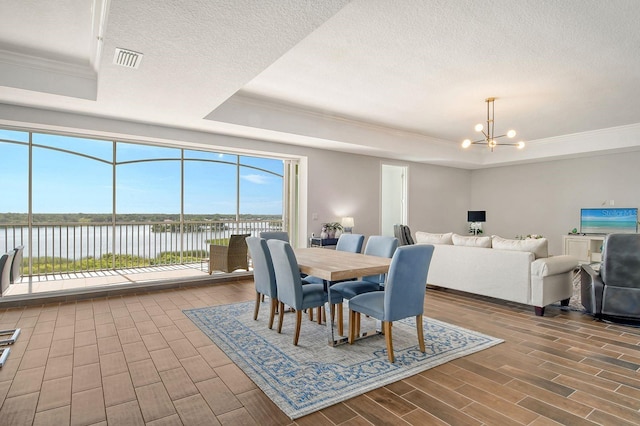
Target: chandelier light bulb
492, 143
466, 143
479, 127
520, 145
511, 133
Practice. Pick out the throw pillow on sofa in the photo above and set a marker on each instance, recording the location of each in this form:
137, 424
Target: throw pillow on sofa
460, 240
427, 238
539, 247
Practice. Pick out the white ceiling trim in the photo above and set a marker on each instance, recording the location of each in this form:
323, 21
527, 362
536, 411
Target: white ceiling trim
48, 76
57, 74
318, 128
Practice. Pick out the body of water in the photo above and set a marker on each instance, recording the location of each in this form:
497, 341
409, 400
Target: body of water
81, 241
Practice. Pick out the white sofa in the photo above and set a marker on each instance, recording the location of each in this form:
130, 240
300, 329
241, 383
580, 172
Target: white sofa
513, 270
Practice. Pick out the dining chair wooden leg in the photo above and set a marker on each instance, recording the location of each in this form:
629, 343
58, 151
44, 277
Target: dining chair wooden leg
257, 307
333, 312
310, 311
386, 325
280, 316
352, 326
420, 333
272, 311
358, 323
340, 325
263, 298
296, 335
319, 314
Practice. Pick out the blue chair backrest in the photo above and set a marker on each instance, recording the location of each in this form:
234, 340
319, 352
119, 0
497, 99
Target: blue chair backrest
350, 242
407, 282
381, 246
287, 273
263, 274
275, 235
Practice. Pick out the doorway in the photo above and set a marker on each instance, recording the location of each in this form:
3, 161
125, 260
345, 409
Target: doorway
393, 198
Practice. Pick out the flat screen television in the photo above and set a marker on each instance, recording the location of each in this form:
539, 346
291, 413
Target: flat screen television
609, 221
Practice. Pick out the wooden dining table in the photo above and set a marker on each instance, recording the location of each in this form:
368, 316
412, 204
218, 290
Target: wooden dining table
334, 265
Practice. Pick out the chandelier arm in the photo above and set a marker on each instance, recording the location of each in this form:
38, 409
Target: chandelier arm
489, 139
490, 118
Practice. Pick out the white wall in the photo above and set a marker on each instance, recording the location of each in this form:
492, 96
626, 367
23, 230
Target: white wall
349, 185
438, 199
546, 198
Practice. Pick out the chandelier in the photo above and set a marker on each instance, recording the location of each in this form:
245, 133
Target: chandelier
489, 139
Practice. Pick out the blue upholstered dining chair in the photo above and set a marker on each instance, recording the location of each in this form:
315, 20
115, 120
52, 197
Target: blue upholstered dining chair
264, 276
377, 245
291, 292
275, 235
403, 295
346, 242
350, 242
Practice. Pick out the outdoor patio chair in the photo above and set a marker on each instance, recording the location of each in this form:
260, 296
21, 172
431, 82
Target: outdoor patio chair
5, 271
231, 257
7, 337
16, 265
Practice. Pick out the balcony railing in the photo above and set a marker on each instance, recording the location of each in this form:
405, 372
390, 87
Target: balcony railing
81, 247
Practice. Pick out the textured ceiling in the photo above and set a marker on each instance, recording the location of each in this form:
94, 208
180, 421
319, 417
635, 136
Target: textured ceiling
403, 79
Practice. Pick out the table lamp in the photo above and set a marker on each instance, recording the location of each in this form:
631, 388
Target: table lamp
475, 219
347, 224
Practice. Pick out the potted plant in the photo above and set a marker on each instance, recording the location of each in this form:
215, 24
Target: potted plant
332, 228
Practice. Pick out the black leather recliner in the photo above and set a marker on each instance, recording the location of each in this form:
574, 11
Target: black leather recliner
613, 293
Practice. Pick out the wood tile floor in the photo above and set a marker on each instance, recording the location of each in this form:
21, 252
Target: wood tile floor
136, 360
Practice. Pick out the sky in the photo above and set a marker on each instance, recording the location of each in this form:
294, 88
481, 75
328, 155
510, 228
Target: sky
148, 178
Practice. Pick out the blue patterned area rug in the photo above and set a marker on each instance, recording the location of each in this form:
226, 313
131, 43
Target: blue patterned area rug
313, 375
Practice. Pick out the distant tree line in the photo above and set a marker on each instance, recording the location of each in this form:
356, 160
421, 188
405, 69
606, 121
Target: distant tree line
21, 218
47, 265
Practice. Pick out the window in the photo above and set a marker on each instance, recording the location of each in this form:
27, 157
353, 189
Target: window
98, 204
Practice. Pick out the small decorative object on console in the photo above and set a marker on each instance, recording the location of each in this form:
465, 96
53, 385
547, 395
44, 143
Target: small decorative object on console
529, 237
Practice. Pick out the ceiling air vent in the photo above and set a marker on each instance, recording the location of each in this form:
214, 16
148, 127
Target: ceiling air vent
127, 58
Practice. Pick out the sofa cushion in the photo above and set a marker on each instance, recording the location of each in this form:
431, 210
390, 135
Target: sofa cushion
539, 247
460, 240
427, 238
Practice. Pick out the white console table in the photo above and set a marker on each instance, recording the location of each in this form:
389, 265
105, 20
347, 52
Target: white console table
586, 248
